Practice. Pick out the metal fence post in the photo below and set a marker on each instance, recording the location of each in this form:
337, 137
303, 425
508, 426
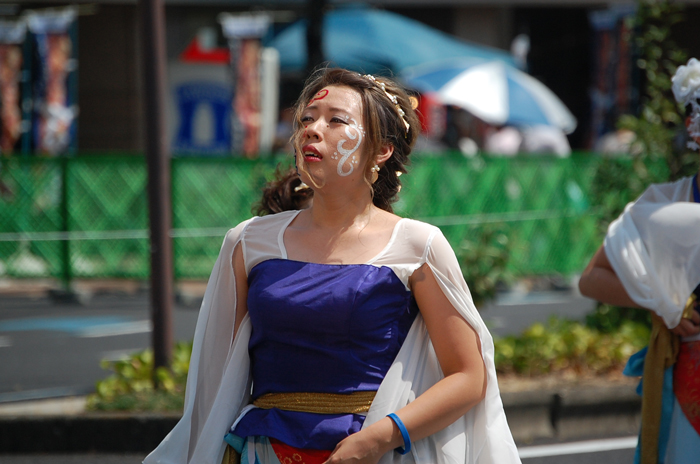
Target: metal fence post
66, 269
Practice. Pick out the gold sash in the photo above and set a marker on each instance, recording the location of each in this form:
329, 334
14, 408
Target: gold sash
661, 354
319, 403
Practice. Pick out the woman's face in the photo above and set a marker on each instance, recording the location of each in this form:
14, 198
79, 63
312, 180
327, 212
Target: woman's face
332, 142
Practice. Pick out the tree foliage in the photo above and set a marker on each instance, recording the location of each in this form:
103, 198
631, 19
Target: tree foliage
659, 126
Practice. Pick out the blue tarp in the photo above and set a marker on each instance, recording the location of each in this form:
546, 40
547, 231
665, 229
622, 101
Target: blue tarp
377, 42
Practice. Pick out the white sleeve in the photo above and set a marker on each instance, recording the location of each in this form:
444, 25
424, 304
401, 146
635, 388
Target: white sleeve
492, 441
654, 248
482, 435
218, 382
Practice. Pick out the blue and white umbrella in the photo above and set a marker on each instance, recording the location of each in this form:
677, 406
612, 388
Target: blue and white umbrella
493, 91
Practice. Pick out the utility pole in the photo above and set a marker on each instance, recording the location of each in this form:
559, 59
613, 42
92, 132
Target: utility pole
152, 18
314, 35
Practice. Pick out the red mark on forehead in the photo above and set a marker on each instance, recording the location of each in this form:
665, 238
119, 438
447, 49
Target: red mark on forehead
319, 96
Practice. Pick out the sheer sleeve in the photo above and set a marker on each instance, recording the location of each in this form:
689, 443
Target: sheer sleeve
218, 383
482, 435
654, 248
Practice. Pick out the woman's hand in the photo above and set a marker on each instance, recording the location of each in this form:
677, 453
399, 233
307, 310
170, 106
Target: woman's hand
688, 327
354, 449
367, 446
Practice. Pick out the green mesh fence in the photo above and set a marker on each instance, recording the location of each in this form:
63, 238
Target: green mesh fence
209, 197
541, 203
87, 216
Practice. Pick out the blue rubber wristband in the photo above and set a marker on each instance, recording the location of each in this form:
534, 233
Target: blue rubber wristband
404, 433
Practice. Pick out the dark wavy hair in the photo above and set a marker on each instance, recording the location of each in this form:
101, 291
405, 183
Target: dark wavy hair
382, 121
281, 194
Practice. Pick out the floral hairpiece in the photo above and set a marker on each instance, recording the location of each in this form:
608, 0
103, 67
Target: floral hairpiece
392, 98
686, 89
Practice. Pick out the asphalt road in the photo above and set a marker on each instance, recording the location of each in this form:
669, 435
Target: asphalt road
50, 349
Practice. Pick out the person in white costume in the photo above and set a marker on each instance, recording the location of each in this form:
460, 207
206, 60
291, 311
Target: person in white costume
651, 259
436, 400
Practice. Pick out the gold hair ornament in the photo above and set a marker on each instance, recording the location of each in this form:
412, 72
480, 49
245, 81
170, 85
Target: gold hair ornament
393, 100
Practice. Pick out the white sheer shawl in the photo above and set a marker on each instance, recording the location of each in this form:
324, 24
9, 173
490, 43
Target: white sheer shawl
654, 248
219, 381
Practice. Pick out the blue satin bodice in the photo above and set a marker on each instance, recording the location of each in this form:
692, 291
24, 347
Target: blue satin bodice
320, 328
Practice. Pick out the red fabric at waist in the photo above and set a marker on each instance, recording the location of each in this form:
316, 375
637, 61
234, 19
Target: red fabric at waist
291, 455
686, 382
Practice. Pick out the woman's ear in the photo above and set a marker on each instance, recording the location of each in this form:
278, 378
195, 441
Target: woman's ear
384, 154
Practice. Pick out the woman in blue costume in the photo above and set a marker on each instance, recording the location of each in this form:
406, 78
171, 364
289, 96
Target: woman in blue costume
342, 332
651, 259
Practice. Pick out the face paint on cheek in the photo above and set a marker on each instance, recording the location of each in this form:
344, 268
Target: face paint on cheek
694, 127
323, 93
353, 131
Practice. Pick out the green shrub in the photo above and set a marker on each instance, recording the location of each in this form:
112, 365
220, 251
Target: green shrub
131, 386
607, 319
484, 263
564, 345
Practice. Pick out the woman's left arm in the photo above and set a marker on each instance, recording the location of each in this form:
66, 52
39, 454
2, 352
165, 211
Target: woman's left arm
458, 350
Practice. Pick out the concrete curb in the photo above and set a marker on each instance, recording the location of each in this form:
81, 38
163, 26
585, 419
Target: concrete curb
575, 413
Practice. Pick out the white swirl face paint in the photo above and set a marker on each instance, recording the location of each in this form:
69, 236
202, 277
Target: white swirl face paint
354, 131
694, 127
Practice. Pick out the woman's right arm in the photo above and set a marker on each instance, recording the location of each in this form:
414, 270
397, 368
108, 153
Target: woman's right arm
599, 282
241, 278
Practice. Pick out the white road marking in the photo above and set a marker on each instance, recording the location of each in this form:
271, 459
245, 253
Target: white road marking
110, 330
5, 342
580, 447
